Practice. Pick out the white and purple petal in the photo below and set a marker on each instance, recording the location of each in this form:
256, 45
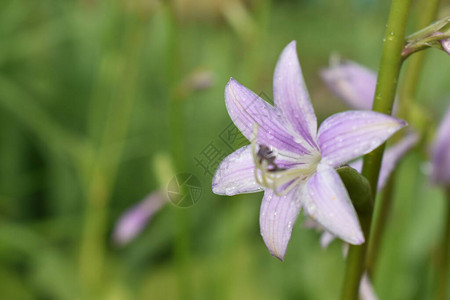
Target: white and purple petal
348, 135
325, 239
247, 109
291, 96
445, 43
366, 290
440, 157
325, 199
352, 83
277, 218
236, 174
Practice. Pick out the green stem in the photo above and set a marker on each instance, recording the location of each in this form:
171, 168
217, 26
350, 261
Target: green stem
355, 263
360, 193
379, 224
181, 250
390, 65
407, 91
445, 248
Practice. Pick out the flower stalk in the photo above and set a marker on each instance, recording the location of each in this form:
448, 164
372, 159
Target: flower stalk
391, 61
361, 195
406, 95
181, 250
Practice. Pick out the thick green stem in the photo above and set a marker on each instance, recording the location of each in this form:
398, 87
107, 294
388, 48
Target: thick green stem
355, 263
361, 196
407, 91
445, 248
390, 65
379, 224
391, 61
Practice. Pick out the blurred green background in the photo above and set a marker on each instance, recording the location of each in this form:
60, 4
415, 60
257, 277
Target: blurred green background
93, 92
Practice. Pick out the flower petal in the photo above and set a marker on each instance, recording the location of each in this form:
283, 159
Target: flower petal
291, 96
277, 218
445, 43
325, 198
366, 290
441, 153
325, 239
134, 220
352, 83
247, 109
348, 135
236, 175
391, 157
357, 164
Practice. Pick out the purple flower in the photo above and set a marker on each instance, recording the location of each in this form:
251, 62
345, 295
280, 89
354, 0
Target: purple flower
445, 43
351, 82
293, 162
440, 157
366, 290
134, 220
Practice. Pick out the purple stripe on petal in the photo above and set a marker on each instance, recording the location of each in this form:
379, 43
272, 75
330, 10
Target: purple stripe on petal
235, 175
441, 153
352, 83
277, 218
291, 95
246, 109
134, 220
325, 199
348, 135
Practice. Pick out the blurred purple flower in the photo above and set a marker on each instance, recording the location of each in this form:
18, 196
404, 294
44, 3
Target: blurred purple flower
351, 82
445, 43
292, 161
134, 220
391, 157
366, 290
440, 157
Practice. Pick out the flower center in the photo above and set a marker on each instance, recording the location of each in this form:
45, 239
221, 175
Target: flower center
280, 179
